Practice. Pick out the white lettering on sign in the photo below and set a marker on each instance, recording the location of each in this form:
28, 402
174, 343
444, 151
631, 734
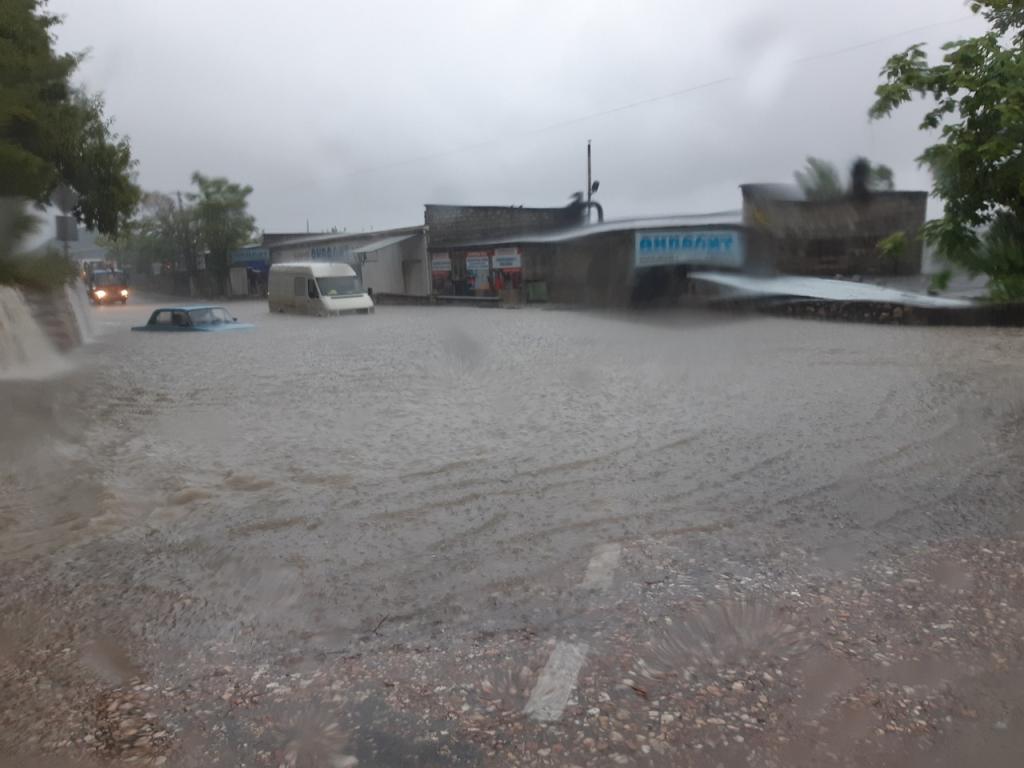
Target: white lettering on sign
508, 258
440, 263
479, 262
718, 248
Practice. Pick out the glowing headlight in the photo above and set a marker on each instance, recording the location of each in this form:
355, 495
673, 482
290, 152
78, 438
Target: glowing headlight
100, 294
124, 291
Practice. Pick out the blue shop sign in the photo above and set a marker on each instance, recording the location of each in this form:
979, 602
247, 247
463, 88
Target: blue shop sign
250, 257
706, 248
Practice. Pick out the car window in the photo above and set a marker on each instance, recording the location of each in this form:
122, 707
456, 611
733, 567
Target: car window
161, 318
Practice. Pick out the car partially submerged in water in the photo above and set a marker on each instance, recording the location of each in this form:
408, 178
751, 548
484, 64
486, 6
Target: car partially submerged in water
199, 318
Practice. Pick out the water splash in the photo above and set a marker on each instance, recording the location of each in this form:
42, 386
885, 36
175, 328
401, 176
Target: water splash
80, 310
26, 352
714, 637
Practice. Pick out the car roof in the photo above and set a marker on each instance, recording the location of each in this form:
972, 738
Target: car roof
189, 308
314, 268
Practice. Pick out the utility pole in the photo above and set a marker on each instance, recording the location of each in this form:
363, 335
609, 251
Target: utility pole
190, 259
589, 191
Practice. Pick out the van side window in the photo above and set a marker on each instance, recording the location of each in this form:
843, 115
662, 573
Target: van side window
313, 293
300, 286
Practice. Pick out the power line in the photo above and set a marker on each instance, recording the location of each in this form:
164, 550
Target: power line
640, 103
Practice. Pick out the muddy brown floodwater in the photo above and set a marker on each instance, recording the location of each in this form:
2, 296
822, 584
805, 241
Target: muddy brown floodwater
428, 478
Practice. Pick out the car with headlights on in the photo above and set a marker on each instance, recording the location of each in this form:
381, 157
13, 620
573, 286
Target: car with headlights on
107, 286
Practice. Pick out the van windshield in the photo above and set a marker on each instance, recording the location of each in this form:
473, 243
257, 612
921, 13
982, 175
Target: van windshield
339, 286
108, 278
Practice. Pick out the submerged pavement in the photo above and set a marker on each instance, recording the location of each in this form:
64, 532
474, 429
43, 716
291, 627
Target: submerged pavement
448, 536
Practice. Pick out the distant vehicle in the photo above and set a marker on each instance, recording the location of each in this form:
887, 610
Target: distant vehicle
200, 318
317, 288
107, 286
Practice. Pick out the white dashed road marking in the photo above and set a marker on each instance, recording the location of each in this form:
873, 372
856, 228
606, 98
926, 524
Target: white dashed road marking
556, 681
558, 678
601, 568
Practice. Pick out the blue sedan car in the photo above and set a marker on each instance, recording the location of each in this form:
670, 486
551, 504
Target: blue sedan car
201, 318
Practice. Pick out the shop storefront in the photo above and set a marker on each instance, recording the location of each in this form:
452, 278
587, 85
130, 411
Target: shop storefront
249, 269
477, 274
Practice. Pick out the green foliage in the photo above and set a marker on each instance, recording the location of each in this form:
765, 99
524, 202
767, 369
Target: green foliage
881, 178
162, 231
893, 247
819, 180
1000, 255
940, 280
51, 132
213, 218
224, 221
977, 108
44, 271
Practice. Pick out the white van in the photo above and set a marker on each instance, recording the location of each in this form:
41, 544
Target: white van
317, 288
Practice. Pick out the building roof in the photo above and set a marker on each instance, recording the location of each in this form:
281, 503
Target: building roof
717, 219
386, 242
826, 289
773, 191
316, 268
331, 237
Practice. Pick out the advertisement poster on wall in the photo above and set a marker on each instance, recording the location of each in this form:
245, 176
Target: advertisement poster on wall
478, 270
440, 263
508, 259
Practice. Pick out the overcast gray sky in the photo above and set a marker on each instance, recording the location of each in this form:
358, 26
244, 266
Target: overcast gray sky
356, 113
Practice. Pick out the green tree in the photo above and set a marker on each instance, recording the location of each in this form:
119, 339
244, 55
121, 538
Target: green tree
222, 211
52, 132
162, 231
819, 180
977, 163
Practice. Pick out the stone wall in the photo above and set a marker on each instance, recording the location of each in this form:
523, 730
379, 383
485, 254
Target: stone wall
835, 237
460, 225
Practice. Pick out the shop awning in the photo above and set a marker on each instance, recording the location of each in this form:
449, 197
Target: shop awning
377, 245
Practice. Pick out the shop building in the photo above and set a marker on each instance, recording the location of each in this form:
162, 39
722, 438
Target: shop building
391, 262
834, 237
611, 264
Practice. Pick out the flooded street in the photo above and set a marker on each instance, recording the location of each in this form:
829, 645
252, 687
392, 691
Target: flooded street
427, 477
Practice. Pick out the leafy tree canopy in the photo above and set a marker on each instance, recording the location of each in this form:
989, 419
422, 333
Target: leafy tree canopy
820, 179
976, 95
52, 132
222, 209
214, 217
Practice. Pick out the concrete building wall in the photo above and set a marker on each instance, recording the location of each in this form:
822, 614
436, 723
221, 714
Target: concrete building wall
831, 237
594, 271
455, 225
382, 271
415, 266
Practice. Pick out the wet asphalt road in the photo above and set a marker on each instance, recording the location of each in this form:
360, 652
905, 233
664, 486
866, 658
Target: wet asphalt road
425, 475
